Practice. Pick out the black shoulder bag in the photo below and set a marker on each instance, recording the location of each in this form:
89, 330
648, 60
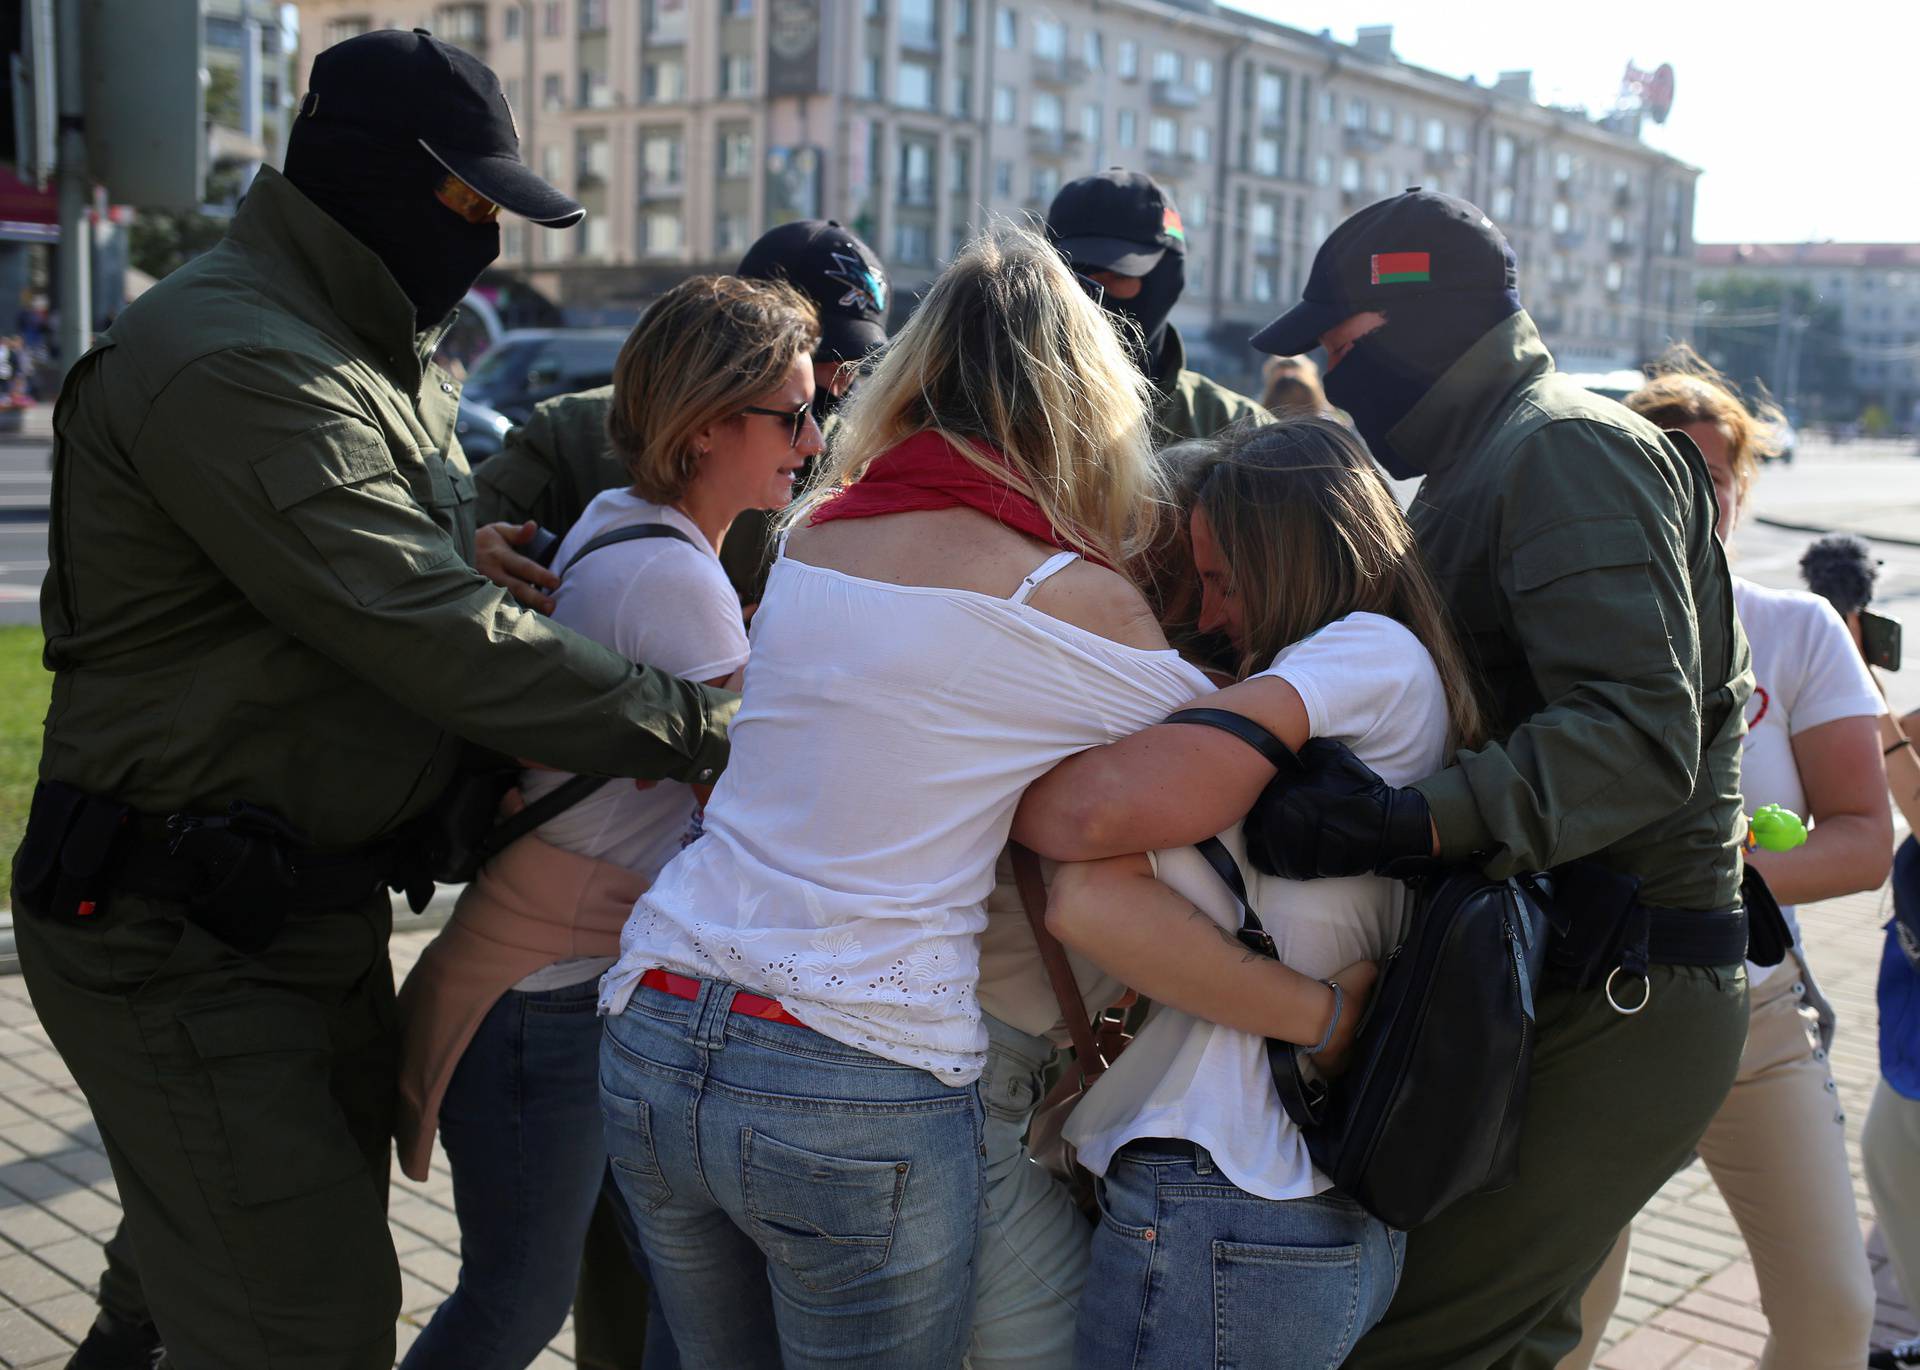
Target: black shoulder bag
460, 834
1431, 1107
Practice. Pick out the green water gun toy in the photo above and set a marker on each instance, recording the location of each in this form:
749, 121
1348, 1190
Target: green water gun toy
1773, 828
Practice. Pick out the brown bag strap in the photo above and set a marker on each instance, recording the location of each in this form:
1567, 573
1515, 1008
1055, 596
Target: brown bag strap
1088, 1061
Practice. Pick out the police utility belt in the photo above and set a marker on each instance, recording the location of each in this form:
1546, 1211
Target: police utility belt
238, 873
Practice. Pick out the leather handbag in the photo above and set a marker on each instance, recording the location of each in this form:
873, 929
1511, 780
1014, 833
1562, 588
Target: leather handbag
1431, 1108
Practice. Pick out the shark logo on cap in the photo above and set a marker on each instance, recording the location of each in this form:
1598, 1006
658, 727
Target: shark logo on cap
864, 289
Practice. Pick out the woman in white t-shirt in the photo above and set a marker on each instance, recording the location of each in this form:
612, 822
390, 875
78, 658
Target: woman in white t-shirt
1777, 1147
711, 413
1218, 1237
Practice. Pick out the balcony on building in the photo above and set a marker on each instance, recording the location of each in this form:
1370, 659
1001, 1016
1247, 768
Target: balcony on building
1054, 142
1442, 160
464, 26
1366, 140
1171, 164
1271, 118
1175, 95
917, 193
666, 23
654, 188
1569, 237
1057, 71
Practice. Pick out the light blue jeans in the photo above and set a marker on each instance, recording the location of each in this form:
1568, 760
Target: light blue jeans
1190, 1270
802, 1203
1034, 1242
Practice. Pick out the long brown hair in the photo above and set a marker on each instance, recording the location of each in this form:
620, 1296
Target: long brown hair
1006, 350
1310, 532
701, 351
1683, 387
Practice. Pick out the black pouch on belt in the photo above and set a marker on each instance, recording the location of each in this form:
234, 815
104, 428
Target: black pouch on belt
1769, 939
244, 877
71, 852
1598, 924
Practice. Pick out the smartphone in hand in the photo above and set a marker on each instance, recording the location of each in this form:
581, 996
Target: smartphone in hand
1880, 640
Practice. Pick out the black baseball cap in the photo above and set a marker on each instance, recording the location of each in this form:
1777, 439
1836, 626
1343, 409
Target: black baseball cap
1417, 243
834, 269
1115, 220
413, 86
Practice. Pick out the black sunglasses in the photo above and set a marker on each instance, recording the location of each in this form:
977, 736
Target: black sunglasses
797, 417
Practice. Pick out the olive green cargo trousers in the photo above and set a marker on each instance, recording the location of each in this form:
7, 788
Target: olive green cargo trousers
246, 1106
1616, 1105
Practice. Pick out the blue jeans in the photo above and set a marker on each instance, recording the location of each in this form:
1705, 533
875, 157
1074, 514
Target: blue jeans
1190, 1270
802, 1203
521, 1125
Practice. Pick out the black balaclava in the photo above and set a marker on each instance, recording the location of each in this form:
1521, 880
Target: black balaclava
1391, 369
382, 192
1159, 291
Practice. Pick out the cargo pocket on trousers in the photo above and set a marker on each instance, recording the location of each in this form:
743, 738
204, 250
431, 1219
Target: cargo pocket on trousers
270, 1066
636, 1169
827, 1220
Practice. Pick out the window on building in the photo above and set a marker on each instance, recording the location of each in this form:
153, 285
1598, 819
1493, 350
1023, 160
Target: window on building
1092, 123
660, 233
962, 18
919, 24
1616, 276
1323, 170
1617, 229
1383, 122
1382, 182
593, 16
960, 168
1357, 114
553, 91
553, 163
1049, 39
1561, 218
1436, 140
1198, 206
736, 76
1045, 184
1262, 221
1046, 112
913, 244
1003, 105
1503, 203
1350, 173
730, 235
1201, 141
594, 91
736, 154
1003, 180
1163, 136
916, 172
511, 89
664, 81
553, 19
1563, 166
1409, 130
660, 158
1094, 51
1270, 95
1006, 29
1203, 75
737, 9
1322, 225
963, 95
1126, 131
510, 24
1266, 156
1326, 106
1166, 65
513, 241
591, 239
913, 85
1262, 281
1503, 155
339, 30
1129, 65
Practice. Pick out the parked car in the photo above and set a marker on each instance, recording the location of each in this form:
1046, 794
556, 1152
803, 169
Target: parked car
481, 430
1783, 439
528, 365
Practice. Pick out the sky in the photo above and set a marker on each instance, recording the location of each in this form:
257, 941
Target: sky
1801, 119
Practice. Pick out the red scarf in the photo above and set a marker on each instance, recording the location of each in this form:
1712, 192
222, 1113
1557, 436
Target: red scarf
924, 472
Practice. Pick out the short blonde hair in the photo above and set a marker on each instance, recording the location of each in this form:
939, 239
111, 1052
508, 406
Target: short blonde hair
704, 349
1007, 351
1683, 388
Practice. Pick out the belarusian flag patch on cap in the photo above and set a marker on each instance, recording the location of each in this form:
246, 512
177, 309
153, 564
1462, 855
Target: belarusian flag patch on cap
1170, 224
1400, 268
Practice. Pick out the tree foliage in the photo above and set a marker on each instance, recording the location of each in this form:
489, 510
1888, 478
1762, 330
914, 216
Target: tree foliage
1801, 362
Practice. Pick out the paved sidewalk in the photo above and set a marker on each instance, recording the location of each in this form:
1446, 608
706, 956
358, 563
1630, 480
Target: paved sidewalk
1690, 1299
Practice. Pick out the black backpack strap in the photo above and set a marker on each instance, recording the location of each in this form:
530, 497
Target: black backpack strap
1253, 734
632, 532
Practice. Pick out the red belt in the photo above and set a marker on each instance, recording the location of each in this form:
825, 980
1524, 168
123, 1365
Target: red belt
751, 1005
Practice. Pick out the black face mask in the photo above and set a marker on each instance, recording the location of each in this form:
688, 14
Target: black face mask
1390, 370
1159, 291
383, 194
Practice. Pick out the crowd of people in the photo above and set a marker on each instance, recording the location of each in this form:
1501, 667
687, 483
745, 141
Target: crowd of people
741, 1048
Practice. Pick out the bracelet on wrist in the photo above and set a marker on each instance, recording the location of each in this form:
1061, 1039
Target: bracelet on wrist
1333, 1024
1903, 742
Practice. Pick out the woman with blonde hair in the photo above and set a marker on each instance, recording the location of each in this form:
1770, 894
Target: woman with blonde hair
795, 1036
1216, 1228
710, 412
1777, 1147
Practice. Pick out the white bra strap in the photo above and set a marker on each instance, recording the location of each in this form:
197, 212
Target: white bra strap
1041, 573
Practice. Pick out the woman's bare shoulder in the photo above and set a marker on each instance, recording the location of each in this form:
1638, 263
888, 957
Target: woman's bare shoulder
1101, 601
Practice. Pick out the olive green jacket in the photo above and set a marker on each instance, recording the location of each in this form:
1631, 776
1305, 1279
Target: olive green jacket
260, 586
1574, 545
1192, 406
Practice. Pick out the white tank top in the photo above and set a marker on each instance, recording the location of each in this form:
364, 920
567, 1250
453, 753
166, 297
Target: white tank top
885, 736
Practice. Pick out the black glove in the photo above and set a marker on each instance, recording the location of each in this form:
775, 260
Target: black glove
1337, 818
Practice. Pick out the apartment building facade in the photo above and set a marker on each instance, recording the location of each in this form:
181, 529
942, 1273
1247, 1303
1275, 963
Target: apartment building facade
1874, 288
687, 127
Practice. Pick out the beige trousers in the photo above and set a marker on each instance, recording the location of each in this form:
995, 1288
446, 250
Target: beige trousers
1890, 1147
1777, 1150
